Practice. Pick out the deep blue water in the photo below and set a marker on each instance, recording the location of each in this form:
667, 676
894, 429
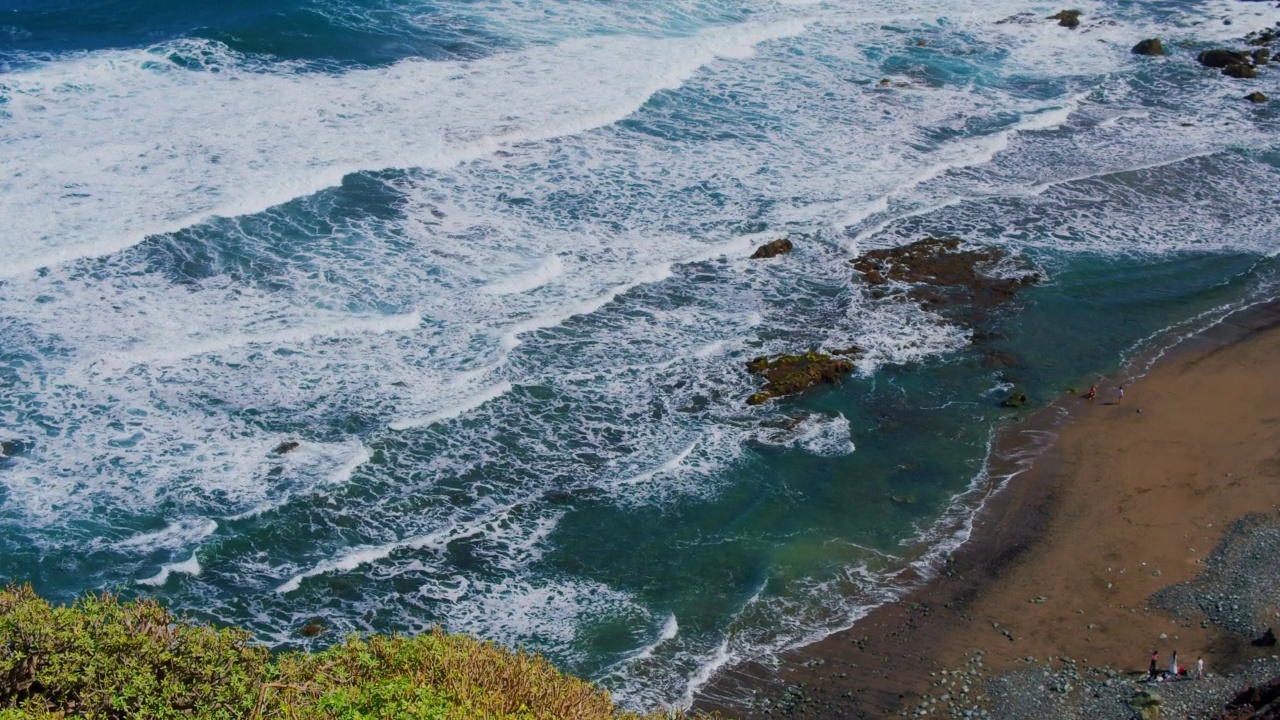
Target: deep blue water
486, 263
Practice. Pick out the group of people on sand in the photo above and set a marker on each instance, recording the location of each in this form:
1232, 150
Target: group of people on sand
1093, 393
1175, 671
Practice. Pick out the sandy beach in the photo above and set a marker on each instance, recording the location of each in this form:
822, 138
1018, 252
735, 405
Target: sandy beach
1132, 497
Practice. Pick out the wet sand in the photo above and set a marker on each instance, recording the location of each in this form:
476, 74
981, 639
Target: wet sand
1130, 498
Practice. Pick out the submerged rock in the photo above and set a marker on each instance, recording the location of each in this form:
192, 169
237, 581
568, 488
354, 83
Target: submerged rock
790, 374
1152, 46
1220, 58
1067, 18
311, 629
1240, 70
1015, 400
1256, 96
1261, 56
287, 446
781, 246
1263, 37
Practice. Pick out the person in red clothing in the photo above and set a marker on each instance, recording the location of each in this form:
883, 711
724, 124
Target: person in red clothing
1093, 392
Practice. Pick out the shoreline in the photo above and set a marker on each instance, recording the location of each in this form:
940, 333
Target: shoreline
1051, 532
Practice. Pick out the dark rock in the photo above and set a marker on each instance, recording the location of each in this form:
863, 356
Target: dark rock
287, 446
1016, 399
1256, 697
1067, 18
790, 374
1240, 70
1022, 18
1262, 37
781, 246
1268, 639
1261, 56
1221, 58
10, 448
944, 276
1000, 359
1256, 96
311, 629
1149, 47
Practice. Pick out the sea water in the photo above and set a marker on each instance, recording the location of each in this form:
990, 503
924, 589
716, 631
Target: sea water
486, 262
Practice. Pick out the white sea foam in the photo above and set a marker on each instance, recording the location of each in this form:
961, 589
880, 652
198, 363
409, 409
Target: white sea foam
190, 566
603, 272
111, 129
464, 406
176, 535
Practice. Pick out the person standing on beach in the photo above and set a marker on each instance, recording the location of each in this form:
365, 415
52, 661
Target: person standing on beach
1155, 664
1199, 668
1173, 665
1119, 393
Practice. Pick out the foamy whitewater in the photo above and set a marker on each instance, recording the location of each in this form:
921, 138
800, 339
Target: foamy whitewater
486, 263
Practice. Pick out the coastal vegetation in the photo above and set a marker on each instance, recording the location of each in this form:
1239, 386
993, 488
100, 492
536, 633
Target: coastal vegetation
107, 658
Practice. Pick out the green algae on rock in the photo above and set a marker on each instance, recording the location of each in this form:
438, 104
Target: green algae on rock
790, 374
781, 246
941, 273
1067, 18
1151, 46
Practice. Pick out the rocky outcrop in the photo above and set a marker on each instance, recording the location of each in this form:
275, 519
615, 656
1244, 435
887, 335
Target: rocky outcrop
1152, 46
1240, 70
790, 374
286, 447
781, 246
1220, 58
1263, 37
1067, 18
1256, 97
1261, 56
1258, 702
942, 274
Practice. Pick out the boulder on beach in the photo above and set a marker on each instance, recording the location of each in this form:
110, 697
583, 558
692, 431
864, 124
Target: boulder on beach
781, 246
1254, 701
1067, 18
1267, 639
1152, 46
1147, 703
1261, 56
1240, 70
790, 374
1256, 97
1220, 58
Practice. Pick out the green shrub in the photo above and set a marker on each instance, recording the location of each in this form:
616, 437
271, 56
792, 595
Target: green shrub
106, 659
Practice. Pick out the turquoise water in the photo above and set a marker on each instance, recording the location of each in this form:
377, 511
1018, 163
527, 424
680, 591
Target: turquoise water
486, 263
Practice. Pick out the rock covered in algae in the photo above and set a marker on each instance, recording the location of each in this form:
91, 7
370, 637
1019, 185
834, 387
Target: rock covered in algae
781, 246
790, 374
1067, 18
941, 273
1151, 46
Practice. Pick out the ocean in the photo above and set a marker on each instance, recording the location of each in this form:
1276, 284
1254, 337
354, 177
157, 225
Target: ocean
486, 263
